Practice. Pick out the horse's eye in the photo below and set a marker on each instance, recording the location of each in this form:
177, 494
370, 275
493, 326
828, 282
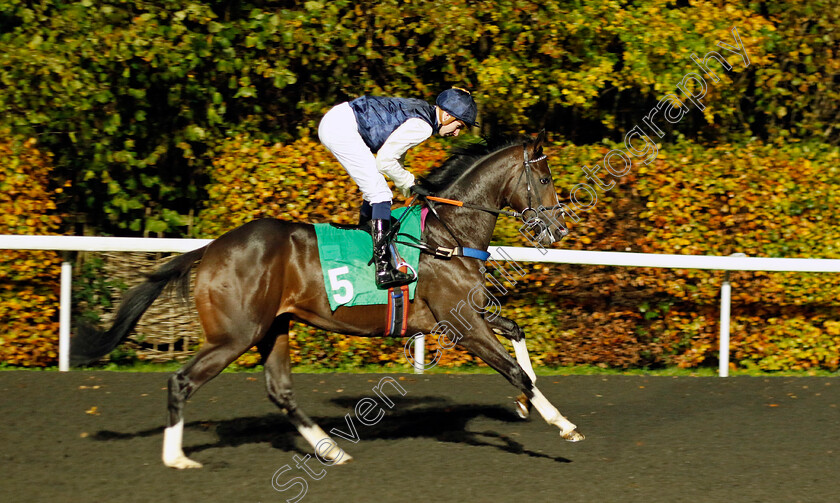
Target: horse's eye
545, 180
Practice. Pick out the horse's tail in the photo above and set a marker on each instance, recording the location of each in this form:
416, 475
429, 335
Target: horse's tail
89, 344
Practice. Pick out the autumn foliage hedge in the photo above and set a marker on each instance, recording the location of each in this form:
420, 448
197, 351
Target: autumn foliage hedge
133, 96
758, 199
29, 280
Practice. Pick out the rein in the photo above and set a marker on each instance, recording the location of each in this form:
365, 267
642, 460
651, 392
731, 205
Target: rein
515, 214
455, 202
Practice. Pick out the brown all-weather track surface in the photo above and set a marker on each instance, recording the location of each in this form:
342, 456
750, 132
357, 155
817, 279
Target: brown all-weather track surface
96, 437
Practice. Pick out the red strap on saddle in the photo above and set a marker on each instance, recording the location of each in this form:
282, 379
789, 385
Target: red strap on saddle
397, 315
406, 303
389, 313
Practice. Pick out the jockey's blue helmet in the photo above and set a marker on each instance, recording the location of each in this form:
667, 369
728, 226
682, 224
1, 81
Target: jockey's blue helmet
459, 104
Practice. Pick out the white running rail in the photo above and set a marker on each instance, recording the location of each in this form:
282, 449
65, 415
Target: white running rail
523, 254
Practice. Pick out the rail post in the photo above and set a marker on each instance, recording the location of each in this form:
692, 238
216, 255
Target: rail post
419, 354
65, 307
725, 311
725, 301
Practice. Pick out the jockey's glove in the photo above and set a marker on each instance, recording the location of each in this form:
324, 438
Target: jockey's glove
420, 191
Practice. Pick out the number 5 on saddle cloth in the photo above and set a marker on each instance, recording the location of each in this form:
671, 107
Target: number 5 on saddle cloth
348, 276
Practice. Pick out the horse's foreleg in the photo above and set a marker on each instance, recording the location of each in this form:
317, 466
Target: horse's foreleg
552, 416
278, 381
485, 345
508, 329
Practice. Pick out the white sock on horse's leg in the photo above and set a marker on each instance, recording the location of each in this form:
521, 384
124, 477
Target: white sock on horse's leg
316, 437
524, 360
173, 453
523, 405
553, 416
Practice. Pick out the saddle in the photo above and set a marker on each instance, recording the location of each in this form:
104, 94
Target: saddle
345, 252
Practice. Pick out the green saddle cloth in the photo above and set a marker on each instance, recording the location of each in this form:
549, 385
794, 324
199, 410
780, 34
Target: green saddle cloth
345, 253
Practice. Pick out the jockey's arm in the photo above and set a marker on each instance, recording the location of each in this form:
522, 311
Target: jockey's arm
411, 133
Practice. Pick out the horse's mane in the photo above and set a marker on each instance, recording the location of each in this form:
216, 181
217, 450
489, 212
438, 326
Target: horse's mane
465, 157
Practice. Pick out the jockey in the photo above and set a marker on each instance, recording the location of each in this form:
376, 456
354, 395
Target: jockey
369, 136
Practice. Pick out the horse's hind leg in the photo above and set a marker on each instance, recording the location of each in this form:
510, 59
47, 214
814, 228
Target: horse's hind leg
278, 382
206, 365
508, 329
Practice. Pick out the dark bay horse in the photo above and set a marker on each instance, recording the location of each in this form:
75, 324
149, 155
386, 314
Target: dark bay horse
254, 280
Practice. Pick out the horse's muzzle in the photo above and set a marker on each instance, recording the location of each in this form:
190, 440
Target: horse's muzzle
548, 232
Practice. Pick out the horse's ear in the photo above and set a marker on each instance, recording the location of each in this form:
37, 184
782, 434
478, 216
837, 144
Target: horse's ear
539, 141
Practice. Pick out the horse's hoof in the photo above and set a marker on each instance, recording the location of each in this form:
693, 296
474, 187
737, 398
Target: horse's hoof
522, 410
344, 459
523, 406
182, 463
573, 436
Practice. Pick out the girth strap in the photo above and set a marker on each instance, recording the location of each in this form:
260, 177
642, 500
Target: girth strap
397, 315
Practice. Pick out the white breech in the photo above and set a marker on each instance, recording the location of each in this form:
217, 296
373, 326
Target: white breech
339, 133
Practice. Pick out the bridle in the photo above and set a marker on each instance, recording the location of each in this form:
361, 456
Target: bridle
536, 220
529, 180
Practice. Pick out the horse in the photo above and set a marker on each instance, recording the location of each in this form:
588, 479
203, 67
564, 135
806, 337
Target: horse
252, 281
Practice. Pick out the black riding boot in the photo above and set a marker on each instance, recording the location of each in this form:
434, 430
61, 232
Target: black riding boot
387, 275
